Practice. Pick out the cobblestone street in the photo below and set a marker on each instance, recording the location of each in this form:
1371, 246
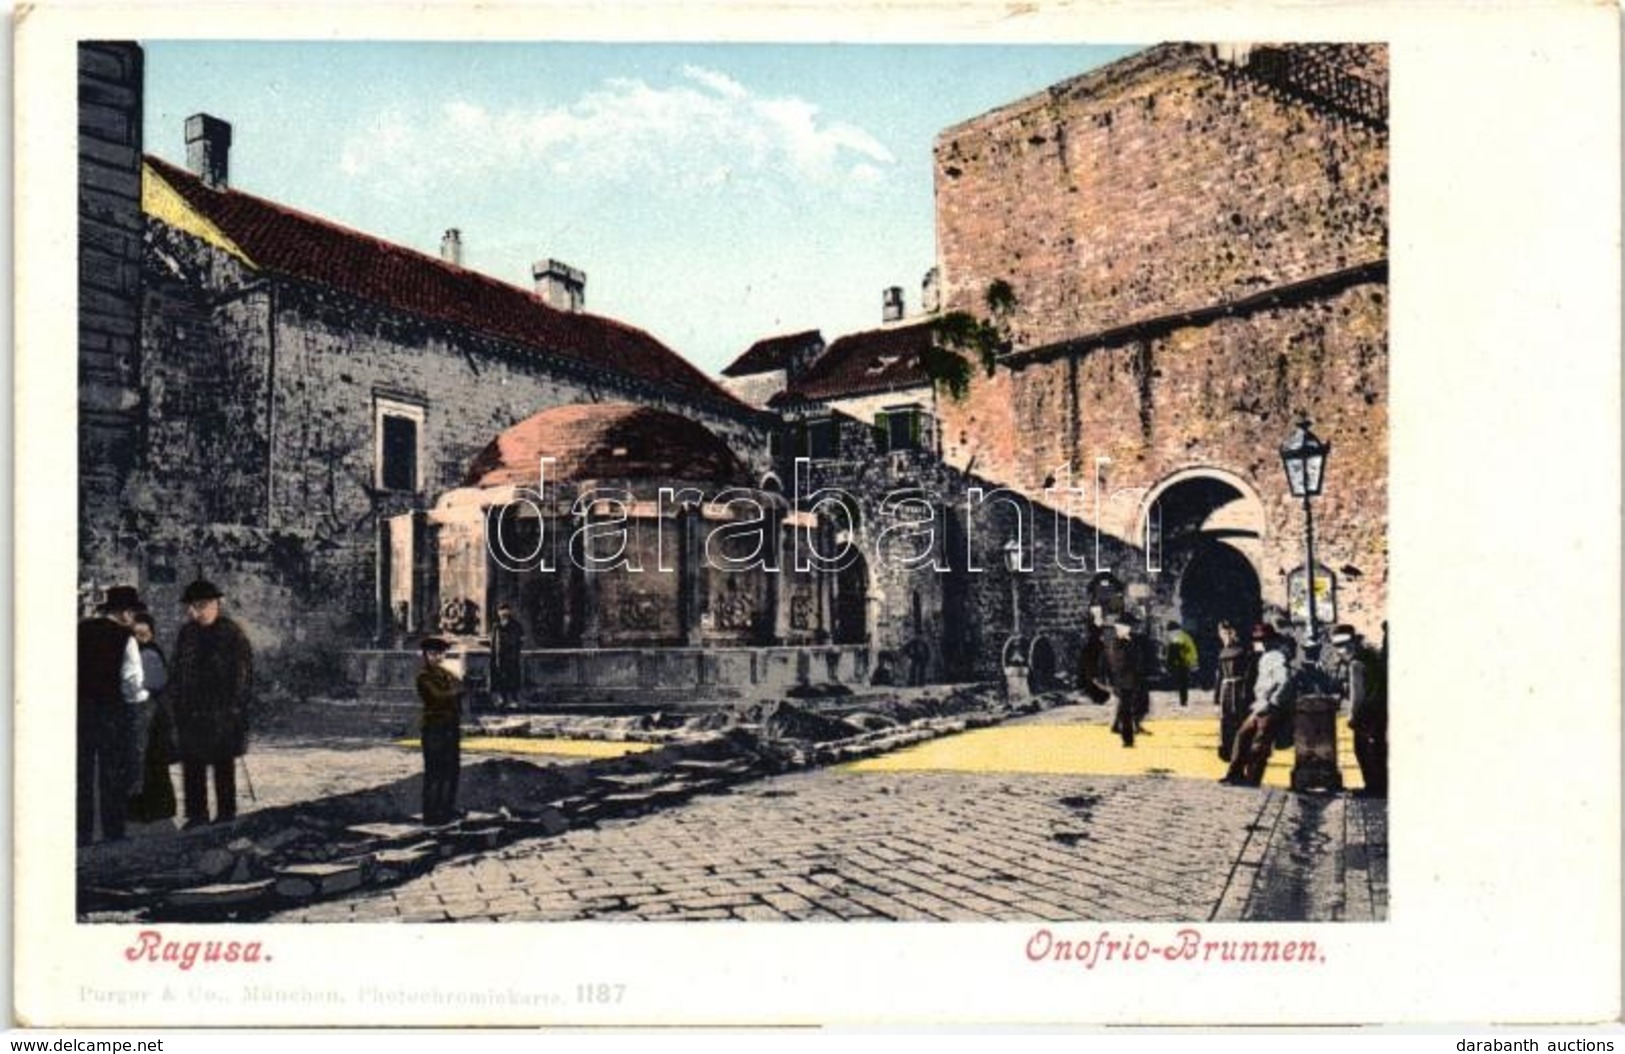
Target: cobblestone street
843, 843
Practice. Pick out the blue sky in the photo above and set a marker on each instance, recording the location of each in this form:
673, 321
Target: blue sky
714, 194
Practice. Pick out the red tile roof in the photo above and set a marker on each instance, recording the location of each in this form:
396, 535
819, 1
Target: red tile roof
772, 353
605, 441
875, 360
294, 243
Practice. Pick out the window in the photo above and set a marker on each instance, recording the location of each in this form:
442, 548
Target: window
820, 439
398, 445
902, 428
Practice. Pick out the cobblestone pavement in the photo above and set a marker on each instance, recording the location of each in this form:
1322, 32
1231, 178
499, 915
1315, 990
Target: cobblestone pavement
924, 845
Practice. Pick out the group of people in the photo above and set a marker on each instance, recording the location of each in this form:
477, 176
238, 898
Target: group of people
1258, 681
139, 712
1257, 689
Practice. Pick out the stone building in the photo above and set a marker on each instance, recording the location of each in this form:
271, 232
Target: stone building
110, 227
274, 401
1196, 239
1194, 244
770, 365
329, 385
929, 574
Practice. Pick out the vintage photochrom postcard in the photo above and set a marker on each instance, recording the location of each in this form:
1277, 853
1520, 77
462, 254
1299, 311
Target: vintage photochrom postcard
605, 518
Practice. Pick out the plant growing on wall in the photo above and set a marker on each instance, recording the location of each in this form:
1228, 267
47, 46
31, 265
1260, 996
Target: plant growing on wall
962, 340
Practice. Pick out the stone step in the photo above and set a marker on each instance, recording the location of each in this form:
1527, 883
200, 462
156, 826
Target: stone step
469, 840
221, 895
633, 781
727, 767
386, 834
398, 865
304, 881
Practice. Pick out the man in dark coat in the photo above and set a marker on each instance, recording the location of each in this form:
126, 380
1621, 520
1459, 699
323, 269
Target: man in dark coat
110, 686
1366, 674
1092, 664
210, 684
1128, 661
507, 641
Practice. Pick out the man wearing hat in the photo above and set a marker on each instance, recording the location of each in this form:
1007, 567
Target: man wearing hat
110, 685
1271, 695
1128, 663
441, 693
210, 685
1366, 676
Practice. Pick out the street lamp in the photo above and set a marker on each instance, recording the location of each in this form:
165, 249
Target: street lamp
1012, 563
1304, 457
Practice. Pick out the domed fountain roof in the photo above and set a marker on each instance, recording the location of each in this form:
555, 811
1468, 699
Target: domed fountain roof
590, 441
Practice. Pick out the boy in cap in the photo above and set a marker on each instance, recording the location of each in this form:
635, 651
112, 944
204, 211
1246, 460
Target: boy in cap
110, 689
441, 692
1366, 677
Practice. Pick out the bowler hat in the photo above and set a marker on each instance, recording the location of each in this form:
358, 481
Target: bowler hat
1343, 634
436, 644
202, 589
122, 598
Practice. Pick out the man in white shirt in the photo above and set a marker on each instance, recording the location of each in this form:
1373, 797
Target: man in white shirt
1255, 738
110, 683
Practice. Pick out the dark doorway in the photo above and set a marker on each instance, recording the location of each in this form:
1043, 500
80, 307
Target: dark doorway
1041, 666
1219, 584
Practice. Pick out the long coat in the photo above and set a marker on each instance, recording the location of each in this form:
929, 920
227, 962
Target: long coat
210, 686
506, 644
1129, 661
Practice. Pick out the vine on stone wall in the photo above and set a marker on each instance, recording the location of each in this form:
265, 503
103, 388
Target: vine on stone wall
963, 341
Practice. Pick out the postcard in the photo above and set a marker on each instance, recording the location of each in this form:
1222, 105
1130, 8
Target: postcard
893, 516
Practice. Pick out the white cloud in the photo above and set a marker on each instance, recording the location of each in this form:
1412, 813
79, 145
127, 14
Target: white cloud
720, 83
705, 130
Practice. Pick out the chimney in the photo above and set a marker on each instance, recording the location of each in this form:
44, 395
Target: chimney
451, 247
208, 147
891, 304
559, 285
931, 292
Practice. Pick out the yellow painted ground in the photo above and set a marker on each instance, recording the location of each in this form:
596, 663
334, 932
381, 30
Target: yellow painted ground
1183, 748
571, 748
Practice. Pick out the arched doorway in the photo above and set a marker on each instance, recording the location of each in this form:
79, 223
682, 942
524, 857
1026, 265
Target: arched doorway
1041, 666
852, 603
1204, 530
1218, 584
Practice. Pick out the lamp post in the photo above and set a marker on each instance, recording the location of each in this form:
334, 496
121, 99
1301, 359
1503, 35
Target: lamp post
1012, 563
1304, 457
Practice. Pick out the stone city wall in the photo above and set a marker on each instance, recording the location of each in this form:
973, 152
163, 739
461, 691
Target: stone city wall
1197, 260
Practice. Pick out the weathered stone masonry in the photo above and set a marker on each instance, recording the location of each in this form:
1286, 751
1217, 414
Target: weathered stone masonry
1199, 256
109, 301
266, 387
230, 409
